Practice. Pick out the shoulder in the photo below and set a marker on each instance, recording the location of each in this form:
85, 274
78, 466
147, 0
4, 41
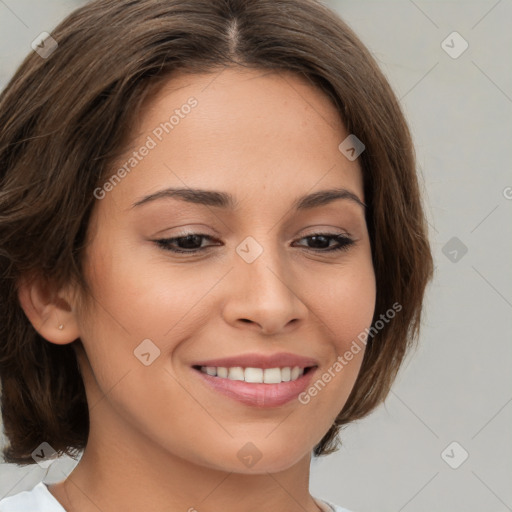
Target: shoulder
38, 499
326, 506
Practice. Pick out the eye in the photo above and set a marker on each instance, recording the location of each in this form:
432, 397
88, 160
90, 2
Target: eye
187, 244
191, 243
322, 242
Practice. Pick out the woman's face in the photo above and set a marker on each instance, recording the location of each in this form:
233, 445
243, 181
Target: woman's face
259, 290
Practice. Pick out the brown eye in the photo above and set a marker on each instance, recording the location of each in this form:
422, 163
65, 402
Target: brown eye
320, 242
190, 243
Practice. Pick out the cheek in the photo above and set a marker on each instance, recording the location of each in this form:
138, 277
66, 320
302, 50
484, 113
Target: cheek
138, 298
345, 308
131, 292
353, 309
345, 300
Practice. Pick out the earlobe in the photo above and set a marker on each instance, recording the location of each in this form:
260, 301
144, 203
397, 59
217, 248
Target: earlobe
51, 314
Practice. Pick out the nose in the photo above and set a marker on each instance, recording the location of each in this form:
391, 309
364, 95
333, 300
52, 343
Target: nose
264, 295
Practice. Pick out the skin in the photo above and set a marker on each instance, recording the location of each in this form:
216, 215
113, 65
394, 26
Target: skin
159, 440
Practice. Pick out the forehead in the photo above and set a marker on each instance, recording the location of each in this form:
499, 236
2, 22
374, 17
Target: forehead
248, 130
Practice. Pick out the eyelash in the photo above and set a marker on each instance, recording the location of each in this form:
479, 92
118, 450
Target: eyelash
344, 241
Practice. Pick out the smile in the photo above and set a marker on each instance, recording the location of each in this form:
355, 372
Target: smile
257, 387
255, 375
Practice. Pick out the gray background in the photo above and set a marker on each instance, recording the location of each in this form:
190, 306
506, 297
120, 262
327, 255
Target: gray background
457, 385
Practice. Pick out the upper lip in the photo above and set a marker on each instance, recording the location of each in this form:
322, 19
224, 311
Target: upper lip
253, 360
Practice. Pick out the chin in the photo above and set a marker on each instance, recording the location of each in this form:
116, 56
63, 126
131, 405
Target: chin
259, 458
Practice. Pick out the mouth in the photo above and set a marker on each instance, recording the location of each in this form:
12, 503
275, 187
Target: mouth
254, 375
255, 386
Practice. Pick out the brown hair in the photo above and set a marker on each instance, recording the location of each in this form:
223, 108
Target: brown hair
64, 118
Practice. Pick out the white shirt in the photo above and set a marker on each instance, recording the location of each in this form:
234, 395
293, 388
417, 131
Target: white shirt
40, 499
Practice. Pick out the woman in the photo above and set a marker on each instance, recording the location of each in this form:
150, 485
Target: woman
213, 252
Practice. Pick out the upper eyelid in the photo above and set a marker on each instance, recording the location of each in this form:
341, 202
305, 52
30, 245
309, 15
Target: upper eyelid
212, 237
311, 230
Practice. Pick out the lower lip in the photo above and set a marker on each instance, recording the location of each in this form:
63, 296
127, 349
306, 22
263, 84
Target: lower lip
258, 395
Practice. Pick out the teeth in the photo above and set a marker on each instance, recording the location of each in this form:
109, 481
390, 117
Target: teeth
255, 375
236, 373
222, 372
271, 376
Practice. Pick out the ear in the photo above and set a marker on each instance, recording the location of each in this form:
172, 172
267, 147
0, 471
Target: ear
49, 310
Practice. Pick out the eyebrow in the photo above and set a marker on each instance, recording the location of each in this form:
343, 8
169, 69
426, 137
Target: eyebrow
224, 200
